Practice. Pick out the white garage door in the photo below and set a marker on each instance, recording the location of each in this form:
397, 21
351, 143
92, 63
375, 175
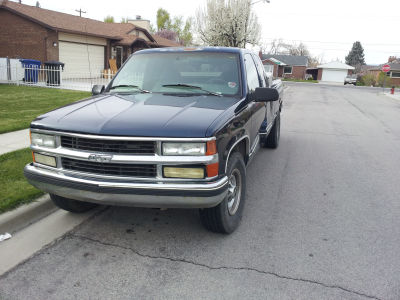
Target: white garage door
333, 75
81, 61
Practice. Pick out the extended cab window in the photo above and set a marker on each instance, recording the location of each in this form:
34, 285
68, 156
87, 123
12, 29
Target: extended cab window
253, 81
175, 72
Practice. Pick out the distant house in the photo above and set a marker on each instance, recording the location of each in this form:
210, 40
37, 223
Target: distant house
286, 66
333, 72
84, 45
394, 72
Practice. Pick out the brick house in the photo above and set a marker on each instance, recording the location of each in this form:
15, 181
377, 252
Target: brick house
394, 72
84, 45
285, 66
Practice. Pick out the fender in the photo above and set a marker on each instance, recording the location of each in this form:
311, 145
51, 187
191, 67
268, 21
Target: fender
232, 143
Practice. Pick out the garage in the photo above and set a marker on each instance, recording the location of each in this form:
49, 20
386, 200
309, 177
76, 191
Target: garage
334, 75
81, 60
333, 71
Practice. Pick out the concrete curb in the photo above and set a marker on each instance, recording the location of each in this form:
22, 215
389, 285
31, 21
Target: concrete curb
25, 215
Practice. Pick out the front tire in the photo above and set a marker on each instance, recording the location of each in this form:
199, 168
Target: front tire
226, 216
71, 205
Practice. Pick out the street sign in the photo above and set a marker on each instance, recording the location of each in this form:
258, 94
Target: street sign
386, 68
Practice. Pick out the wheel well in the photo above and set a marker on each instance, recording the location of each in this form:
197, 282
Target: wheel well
241, 147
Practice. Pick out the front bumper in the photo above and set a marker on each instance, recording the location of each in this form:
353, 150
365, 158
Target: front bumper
160, 195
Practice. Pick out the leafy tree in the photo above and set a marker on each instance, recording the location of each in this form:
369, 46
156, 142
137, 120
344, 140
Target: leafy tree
124, 20
167, 26
355, 57
163, 19
230, 23
109, 19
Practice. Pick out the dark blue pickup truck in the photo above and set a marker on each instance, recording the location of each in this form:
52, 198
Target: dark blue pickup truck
175, 128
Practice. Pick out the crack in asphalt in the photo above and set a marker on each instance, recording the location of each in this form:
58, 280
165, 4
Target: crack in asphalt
332, 286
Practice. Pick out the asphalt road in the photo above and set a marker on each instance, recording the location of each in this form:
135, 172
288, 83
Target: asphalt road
322, 221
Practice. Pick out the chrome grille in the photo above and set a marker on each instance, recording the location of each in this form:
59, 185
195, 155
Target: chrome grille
131, 170
110, 146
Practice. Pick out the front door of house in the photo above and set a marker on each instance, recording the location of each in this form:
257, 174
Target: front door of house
119, 56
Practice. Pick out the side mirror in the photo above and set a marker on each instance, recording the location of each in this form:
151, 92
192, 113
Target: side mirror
263, 94
97, 89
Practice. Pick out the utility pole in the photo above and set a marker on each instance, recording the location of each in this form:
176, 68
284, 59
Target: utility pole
80, 11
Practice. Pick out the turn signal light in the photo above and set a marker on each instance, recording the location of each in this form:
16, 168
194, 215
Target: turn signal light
212, 170
211, 147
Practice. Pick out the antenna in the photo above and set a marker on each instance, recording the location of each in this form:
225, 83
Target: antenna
80, 11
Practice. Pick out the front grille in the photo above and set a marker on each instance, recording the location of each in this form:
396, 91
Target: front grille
114, 146
131, 170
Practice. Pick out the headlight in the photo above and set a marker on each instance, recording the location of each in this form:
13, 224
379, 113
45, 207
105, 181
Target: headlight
43, 140
184, 149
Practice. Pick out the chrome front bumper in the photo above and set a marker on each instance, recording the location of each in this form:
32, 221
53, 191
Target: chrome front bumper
140, 194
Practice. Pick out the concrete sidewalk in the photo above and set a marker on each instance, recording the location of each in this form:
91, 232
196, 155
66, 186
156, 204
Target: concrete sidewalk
15, 140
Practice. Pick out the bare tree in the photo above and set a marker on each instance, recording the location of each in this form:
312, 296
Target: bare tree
230, 23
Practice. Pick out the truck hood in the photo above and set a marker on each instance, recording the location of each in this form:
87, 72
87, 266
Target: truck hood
160, 115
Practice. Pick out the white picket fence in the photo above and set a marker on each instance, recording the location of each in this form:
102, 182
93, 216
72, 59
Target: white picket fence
12, 72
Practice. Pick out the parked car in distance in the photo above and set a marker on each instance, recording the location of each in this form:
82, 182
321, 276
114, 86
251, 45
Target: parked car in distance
350, 79
175, 128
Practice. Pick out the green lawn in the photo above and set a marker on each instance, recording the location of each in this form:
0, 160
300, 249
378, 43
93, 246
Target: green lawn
300, 80
15, 190
19, 105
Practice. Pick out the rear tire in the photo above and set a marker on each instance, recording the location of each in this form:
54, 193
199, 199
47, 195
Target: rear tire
272, 140
71, 205
226, 216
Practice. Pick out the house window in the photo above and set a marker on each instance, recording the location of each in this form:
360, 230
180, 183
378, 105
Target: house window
287, 70
395, 75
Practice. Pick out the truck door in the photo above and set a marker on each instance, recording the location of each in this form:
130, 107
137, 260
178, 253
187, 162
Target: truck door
270, 106
257, 109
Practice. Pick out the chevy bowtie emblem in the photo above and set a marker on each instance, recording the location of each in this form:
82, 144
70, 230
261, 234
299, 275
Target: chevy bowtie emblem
100, 157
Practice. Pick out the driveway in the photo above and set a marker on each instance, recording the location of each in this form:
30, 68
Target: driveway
321, 222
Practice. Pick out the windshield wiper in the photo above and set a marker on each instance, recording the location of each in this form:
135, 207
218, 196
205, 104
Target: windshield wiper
130, 86
192, 87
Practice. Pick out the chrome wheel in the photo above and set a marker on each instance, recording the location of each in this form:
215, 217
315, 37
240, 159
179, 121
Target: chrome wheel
234, 191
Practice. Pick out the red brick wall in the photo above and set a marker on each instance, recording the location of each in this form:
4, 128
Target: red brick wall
21, 38
319, 76
298, 72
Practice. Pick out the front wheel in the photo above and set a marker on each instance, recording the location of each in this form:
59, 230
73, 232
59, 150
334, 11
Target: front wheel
226, 216
71, 205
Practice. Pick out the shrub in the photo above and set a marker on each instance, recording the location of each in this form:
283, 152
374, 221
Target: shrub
384, 79
368, 80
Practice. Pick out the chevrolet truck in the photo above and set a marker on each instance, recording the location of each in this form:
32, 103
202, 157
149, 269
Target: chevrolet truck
175, 128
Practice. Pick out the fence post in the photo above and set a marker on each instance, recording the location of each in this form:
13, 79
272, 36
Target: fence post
16, 74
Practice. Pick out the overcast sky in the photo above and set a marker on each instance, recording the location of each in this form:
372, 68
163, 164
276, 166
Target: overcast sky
327, 27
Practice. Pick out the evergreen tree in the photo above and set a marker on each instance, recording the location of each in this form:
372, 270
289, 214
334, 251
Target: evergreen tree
355, 57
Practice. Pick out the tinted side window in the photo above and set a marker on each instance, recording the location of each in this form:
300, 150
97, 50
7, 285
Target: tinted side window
251, 74
261, 70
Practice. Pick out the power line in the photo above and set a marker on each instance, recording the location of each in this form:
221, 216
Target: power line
80, 11
325, 42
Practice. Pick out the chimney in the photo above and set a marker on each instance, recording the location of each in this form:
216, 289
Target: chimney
139, 22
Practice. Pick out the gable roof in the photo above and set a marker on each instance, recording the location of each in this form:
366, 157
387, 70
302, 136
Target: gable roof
68, 23
165, 42
335, 65
291, 60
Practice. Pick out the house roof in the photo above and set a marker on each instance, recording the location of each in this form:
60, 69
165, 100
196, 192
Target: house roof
335, 65
74, 24
68, 23
291, 60
393, 67
165, 42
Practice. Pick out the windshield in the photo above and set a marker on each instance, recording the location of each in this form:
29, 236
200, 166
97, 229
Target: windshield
180, 72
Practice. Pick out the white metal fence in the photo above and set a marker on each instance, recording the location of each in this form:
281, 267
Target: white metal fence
12, 72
